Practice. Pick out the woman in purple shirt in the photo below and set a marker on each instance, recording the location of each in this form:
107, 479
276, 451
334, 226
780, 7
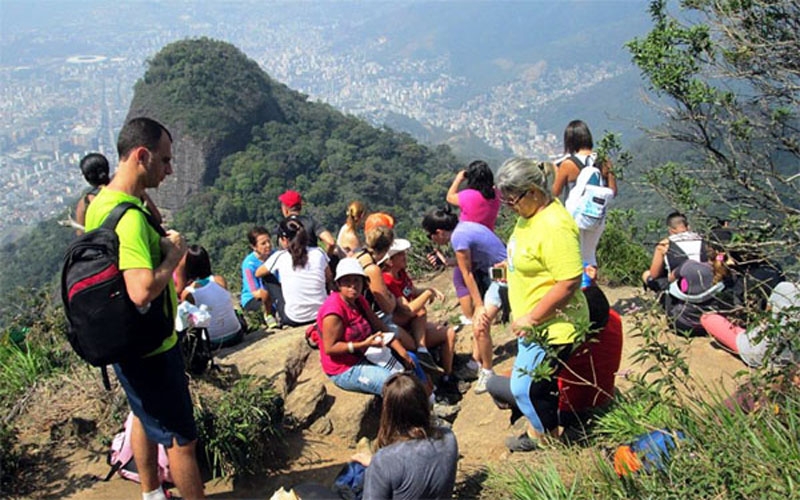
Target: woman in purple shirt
477, 250
478, 202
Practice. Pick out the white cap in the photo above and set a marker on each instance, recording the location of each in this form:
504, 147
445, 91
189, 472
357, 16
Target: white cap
349, 267
399, 245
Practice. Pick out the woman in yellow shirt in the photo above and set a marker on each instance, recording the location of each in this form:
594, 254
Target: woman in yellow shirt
544, 279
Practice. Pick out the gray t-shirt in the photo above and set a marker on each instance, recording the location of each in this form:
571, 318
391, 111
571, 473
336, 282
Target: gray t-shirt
419, 468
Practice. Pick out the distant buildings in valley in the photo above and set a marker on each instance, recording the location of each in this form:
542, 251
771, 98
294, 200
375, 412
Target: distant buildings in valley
56, 109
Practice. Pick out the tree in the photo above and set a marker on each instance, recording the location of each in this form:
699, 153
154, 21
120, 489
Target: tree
729, 70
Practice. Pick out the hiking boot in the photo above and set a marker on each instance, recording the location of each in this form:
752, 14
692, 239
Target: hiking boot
483, 378
522, 443
449, 385
426, 361
447, 391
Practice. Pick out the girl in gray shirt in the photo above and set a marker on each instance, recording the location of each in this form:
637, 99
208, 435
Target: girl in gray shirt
414, 459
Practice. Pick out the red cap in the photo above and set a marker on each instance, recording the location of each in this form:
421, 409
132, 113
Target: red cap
290, 198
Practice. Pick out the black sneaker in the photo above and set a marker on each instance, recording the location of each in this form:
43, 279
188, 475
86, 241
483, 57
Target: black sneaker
449, 386
427, 362
521, 443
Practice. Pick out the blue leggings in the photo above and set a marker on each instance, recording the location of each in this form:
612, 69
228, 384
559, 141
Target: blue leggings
538, 401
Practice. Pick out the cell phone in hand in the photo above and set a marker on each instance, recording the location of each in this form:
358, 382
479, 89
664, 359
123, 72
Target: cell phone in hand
497, 273
434, 259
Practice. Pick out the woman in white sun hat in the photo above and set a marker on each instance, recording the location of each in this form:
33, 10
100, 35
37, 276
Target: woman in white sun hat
348, 328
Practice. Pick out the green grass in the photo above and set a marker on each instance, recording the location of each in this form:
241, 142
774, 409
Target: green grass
242, 431
726, 453
22, 366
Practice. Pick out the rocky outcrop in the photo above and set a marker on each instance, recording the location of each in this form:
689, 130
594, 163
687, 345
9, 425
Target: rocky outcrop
312, 400
210, 96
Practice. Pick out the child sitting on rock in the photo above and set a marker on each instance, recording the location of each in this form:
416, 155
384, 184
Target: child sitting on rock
413, 316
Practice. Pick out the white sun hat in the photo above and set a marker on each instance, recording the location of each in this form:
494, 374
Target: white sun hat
349, 267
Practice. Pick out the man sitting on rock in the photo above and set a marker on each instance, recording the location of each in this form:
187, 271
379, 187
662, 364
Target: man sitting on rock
681, 245
292, 204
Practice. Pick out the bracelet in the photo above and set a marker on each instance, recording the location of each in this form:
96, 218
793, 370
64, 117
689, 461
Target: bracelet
350, 348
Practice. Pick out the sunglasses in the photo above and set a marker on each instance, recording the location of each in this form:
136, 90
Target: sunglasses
515, 200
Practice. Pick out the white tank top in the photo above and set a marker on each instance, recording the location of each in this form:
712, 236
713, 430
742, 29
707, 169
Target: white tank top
218, 300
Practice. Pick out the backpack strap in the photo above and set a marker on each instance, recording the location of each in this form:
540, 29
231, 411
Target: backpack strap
111, 221
577, 161
117, 212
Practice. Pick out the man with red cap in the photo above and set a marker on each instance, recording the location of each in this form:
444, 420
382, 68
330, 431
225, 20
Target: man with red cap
292, 205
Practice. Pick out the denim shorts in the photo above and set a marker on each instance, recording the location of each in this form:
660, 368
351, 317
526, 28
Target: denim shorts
158, 393
492, 296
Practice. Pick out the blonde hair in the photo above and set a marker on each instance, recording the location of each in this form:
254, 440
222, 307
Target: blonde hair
355, 211
378, 240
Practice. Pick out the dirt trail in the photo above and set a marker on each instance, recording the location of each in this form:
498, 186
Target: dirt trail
480, 427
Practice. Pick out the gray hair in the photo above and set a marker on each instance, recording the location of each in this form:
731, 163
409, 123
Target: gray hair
519, 175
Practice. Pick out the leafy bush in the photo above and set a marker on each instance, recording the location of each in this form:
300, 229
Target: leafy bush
620, 253
727, 453
241, 432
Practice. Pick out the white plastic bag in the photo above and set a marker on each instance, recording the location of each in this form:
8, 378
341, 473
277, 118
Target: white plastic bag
189, 315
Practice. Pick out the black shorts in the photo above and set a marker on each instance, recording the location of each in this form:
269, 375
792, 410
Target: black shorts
158, 393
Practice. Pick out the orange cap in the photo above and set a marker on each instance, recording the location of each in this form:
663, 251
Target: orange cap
378, 219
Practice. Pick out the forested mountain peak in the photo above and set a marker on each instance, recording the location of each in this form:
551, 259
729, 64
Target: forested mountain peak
240, 140
210, 95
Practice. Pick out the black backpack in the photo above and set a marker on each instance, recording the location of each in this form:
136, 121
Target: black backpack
105, 326
196, 350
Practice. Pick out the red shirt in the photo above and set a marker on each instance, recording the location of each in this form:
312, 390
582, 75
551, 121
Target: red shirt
401, 286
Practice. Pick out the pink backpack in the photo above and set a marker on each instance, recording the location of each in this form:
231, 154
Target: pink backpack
120, 457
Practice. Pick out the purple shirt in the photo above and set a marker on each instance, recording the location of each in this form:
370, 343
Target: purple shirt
485, 247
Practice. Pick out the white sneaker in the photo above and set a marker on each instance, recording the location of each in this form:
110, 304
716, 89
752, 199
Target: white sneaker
483, 378
465, 320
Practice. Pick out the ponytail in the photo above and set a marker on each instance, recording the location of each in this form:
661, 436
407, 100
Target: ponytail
292, 229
